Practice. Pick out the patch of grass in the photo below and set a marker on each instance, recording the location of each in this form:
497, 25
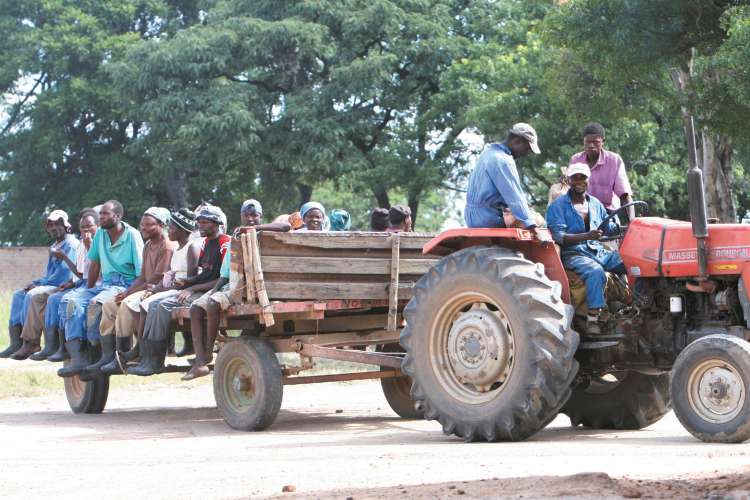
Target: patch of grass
28, 383
5, 297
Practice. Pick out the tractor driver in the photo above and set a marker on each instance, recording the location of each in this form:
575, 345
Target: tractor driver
574, 219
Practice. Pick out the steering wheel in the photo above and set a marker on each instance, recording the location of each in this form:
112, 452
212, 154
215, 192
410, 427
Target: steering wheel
619, 234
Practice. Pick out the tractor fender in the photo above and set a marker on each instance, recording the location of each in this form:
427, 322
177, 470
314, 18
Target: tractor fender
520, 240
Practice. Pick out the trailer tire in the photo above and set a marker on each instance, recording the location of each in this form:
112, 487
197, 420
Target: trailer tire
397, 391
86, 397
248, 384
710, 384
632, 402
489, 346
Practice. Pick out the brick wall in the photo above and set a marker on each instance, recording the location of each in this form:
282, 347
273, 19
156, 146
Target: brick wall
20, 265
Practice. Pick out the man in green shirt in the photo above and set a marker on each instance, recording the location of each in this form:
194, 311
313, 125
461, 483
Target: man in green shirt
116, 253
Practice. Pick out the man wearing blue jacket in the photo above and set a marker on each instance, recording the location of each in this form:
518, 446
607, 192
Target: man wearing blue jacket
495, 186
27, 307
574, 219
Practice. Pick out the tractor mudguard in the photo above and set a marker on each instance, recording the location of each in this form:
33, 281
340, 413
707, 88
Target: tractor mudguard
520, 240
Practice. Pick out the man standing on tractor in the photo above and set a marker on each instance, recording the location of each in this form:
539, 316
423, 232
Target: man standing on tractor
495, 186
609, 181
574, 220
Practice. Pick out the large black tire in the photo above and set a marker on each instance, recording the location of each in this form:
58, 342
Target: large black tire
628, 400
86, 397
489, 346
248, 384
710, 384
397, 391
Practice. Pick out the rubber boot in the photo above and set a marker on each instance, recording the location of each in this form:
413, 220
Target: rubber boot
78, 360
61, 354
187, 346
134, 354
152, 358
122, 347
108, 354
27, 349
51, 345
14, 332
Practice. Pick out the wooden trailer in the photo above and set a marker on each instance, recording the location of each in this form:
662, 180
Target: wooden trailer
330, 295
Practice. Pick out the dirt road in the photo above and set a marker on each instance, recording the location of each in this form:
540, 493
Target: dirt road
331, 440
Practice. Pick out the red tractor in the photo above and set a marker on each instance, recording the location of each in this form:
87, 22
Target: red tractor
493, 354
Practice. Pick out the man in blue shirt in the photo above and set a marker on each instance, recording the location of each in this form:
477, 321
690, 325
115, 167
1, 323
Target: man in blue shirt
574, 219
28, 304
116, 253
495, 185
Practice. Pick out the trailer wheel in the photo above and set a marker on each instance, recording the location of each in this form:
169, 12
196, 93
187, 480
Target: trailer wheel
397, 391
627, 400
248, 384
86, 397
489, 345
710, 384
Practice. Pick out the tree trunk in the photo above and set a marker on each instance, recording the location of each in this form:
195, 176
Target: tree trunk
414, 206
715, 159
305, 193
176, 186
716, 163
381, 195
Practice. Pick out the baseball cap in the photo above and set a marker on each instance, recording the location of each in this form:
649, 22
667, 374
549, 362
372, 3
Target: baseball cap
212, 213
252, 206
578, 168
57, 215
527, 132
161, 214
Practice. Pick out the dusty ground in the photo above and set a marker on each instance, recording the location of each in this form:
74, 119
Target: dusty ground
335, 440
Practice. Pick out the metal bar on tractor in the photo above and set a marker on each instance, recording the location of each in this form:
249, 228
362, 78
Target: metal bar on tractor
368, 358
318, 379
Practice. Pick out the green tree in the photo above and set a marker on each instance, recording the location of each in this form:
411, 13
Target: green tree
65, 135
640, 46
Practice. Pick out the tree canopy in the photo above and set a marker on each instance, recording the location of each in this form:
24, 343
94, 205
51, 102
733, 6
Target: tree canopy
357, 103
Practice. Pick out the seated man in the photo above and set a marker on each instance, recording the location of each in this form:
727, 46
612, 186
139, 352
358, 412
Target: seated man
116, 252
29, 304
221, 296
379, 219
121, 314
154, 342
399, 219
54, 322
573, 219
495, 186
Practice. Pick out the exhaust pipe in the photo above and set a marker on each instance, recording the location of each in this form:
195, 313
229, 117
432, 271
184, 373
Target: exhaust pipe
697, 200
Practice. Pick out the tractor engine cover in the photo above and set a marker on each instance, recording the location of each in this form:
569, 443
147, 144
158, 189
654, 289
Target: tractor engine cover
658, 247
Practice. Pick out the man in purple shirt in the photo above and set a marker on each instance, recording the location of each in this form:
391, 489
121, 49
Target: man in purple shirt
609, 181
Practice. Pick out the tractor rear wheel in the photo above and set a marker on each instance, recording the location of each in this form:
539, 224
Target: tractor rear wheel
397, 391
624, 400
489, 345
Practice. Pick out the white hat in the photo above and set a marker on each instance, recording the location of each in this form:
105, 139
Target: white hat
527, 132
57, 215
578, 168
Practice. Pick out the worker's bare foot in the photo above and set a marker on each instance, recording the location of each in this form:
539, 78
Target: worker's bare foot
197, 371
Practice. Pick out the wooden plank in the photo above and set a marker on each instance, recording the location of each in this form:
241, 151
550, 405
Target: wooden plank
393, 287
337, 265
258, 282
347, 239
323, 290
248, 268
